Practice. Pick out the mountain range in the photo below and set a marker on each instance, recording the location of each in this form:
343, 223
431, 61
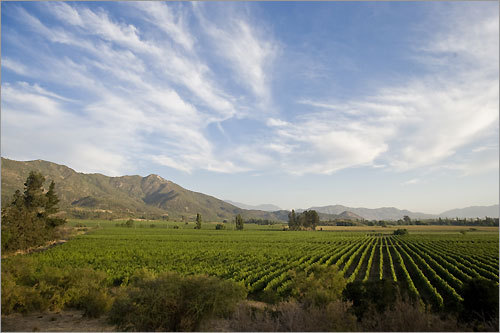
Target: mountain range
97, 195
264, 207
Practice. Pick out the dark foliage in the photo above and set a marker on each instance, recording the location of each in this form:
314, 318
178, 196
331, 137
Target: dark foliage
308, 219
29, 219
400, 232
480, 301
380, 294
239, 222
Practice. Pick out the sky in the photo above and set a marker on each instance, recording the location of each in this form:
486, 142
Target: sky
364, 104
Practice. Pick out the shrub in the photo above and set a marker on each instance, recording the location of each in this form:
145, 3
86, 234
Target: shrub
318, 287
400, 232
220, 226
26, 289
171, 302
480, 302
379, 294
291, 317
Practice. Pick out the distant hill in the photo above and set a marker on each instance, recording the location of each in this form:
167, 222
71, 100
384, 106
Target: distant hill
385, 213
96, 195
346, 215
472, 212
264, 207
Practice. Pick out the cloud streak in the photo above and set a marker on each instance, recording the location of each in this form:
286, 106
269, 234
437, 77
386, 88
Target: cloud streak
152, 85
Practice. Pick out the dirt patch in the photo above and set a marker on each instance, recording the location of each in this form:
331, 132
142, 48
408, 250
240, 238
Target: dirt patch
65, 321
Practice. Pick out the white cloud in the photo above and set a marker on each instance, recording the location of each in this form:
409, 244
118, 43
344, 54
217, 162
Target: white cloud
172, 23
14, 66
145, 97
249, 50
411, 181
426, 121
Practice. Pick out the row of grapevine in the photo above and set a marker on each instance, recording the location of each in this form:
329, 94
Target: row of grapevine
381, 261
433, 276
370, 260
411, 286
449, 265
391, 263
436, 298
449, 277
354, 256
463, 258
360, 262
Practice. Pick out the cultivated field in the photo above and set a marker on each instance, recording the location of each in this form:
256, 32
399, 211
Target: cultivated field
431, 264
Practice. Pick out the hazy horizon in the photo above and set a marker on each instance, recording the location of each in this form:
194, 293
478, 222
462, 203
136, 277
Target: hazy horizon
388, 104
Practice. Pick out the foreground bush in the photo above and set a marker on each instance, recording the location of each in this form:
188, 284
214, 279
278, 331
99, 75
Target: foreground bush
26, 289
171, 302
319, 286
290, 317
379, 295
480, 305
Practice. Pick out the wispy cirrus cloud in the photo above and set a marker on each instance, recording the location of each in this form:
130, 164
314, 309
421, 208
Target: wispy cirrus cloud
430, 119
130, 110
248, 50
153, 83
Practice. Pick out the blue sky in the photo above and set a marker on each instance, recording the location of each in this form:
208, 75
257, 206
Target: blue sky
295, 104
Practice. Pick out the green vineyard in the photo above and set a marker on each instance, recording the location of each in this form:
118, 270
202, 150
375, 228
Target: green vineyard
430, 266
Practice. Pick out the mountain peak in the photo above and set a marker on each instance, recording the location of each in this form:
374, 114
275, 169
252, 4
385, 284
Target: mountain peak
155, 177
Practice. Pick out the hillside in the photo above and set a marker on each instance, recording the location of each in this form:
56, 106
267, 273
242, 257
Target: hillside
384, 213
264, 207
472, 212
96, 195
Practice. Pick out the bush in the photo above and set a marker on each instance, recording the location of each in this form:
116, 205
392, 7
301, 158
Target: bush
171, 302
220, 227
380, 295
291, 317
400, 232
317, 287
480, 301
26, 289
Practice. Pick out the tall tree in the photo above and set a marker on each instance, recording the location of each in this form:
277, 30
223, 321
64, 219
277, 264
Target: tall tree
239, 222
198, 221
292, 220
28, 221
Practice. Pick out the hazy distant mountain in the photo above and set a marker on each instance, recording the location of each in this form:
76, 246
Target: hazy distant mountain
384, 213
264, 207
346, 215
472, 212
95, 194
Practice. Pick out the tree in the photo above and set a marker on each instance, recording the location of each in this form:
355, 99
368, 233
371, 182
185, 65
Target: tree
308, 219
292, 220
28, 220
407, 219
198, 221
239, 222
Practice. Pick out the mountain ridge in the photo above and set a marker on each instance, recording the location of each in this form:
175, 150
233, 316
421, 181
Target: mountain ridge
264, 207
96, 195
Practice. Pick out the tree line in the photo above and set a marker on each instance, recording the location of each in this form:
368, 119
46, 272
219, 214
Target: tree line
307, 220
